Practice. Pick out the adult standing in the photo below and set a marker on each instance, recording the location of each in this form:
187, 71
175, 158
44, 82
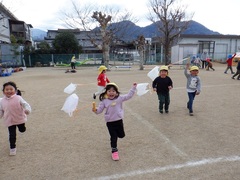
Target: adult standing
204, 58
73, 62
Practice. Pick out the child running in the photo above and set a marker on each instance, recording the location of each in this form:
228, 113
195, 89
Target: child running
112, 101
229, 63
13, 110
193, 85
162, 84
102, 80
209, 65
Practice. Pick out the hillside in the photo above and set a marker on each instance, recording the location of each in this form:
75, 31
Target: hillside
133, 31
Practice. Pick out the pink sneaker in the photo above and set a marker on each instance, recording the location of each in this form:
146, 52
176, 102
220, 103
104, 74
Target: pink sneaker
115, 156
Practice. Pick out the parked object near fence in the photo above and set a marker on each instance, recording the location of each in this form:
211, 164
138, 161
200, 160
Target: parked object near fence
123, 67
6, 72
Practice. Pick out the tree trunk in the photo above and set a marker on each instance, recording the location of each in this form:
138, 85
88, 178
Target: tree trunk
141, 60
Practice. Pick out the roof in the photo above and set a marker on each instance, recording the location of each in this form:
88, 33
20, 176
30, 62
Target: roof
219, 36
7, 12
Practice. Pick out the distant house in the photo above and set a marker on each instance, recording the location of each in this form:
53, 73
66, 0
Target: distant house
10, 25
5, 15
83, 38
217, 46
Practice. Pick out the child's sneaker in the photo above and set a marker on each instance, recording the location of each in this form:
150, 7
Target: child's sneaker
13, 152
115, 156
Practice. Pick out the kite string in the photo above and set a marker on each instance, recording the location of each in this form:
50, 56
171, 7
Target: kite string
77, 110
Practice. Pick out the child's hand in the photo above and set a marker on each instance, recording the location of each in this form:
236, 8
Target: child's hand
26, 112
197, 93
94, 110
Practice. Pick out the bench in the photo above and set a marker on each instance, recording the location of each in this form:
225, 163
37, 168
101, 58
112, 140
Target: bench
123, 67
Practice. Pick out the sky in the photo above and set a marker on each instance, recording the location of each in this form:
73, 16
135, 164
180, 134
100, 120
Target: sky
220, 16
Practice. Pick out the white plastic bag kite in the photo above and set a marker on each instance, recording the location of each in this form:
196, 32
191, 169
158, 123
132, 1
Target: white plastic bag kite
70, 104
70, 88
142, 88
153, 73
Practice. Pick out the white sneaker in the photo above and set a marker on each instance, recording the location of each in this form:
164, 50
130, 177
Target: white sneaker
13, 152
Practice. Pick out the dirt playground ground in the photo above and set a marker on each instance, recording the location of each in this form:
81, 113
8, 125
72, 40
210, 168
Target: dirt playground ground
172, 146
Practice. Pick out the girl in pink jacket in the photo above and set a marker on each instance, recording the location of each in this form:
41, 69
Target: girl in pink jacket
13, 110
112, 101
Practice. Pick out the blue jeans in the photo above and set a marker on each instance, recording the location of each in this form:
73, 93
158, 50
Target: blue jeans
191, 96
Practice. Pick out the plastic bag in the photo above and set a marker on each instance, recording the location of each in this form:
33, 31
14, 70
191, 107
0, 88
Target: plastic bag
70, 88
153, 73
142, 88
70, 104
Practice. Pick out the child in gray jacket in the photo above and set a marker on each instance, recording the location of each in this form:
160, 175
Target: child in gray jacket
193, 85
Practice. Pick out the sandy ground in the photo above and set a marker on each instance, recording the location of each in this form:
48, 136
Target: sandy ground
157, 146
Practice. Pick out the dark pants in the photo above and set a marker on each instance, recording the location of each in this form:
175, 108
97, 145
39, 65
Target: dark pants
13, 134
229, 67
237, 74
116, 130
203, 64
191, 96
164, 99
73, 65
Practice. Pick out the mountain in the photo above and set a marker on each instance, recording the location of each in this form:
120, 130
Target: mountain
197, 28
150, 31
38, 34
133, 31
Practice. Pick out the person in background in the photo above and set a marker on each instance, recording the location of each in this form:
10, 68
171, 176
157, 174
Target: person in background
193, 85
73, 62
112, 101
162, 84
14, 110
203, 58
197, 61
209, 65
102, 80
238, 71
229, 63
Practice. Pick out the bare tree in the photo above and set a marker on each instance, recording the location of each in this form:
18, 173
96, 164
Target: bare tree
171, 20
140, 43
102, 20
